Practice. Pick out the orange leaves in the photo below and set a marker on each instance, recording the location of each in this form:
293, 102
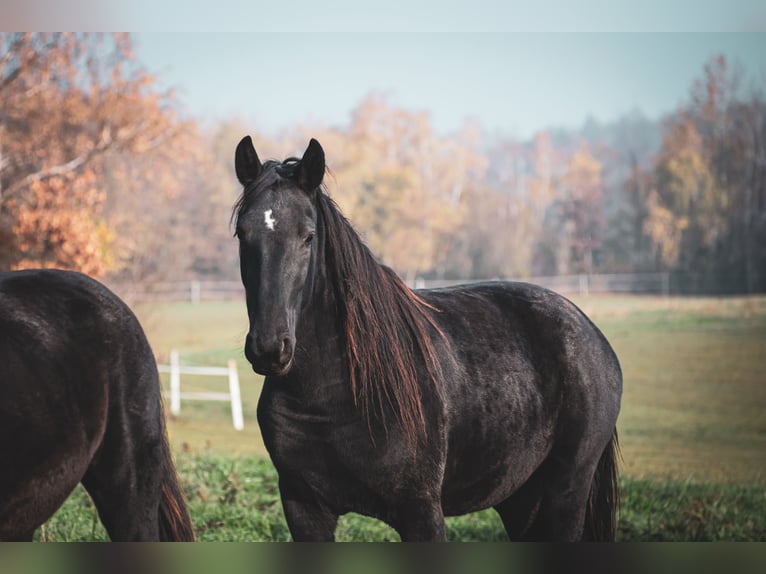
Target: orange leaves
401, 183
683, 175
57, 225
583, 174
665, 229
69, 102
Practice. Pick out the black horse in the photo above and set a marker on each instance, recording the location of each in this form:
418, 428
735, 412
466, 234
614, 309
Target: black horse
409, 406
81, 403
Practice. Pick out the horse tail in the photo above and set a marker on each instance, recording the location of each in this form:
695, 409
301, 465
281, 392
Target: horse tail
604, 499
174, 520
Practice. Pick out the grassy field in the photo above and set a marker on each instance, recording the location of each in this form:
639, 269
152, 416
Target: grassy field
692, 426
236, 499
694, 402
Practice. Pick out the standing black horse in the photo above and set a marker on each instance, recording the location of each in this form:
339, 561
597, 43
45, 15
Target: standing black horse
409, 406
80, 402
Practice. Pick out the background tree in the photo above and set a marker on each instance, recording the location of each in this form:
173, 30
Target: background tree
401, 184
67, 102
706, 215
99, 173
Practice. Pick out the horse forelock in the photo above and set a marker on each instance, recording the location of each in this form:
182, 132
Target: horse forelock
273, 172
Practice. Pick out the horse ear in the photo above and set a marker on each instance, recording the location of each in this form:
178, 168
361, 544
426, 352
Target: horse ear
312, 166
246, 162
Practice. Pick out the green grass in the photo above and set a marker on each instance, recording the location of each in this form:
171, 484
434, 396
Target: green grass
694, 402
236, 499
692, 426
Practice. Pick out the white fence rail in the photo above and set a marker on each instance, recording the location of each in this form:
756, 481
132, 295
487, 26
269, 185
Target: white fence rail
193, 291
656, 283
233, 396
196, 291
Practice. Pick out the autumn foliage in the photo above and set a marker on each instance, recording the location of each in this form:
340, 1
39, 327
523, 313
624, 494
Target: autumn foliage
68, 102
99, 173
57, 224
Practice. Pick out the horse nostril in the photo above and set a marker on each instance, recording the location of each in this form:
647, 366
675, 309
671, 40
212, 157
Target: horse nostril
285, 349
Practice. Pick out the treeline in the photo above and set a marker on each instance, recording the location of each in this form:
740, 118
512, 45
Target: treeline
99, 172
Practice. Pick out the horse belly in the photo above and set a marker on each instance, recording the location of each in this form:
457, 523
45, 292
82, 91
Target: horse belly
495, 445
478, 484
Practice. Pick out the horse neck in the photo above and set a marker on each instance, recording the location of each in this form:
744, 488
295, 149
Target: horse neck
320, 360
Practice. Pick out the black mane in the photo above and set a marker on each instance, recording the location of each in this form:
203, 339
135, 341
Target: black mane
388, 328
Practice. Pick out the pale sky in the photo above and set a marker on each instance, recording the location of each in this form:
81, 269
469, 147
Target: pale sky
513, 83
515, 65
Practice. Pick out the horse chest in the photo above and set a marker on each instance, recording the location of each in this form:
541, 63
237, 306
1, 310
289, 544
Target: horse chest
298, 425
333, 458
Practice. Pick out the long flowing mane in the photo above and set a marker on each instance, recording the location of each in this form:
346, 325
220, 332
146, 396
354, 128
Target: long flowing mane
388, 328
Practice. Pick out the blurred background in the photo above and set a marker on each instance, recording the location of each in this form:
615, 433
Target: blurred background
456, 156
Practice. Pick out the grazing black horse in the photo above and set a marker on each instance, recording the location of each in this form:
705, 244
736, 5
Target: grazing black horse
409, 406
80, 402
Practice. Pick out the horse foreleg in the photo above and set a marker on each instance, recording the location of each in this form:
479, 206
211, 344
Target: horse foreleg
420, 521
307, 519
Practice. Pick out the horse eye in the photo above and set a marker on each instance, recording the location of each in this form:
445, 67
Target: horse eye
309, 239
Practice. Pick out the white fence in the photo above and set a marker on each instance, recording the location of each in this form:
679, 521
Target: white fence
639, 283
195, 291
233, 396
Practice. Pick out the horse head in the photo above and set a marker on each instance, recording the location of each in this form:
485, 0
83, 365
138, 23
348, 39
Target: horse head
276, 221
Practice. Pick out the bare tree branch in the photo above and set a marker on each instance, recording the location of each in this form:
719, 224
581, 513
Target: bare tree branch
57, 170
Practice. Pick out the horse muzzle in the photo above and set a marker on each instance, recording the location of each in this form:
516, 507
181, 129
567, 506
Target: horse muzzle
270, 357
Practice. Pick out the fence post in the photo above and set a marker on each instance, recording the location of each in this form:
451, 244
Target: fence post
583, 284
236, 401
665, 283
175, 383
195, 292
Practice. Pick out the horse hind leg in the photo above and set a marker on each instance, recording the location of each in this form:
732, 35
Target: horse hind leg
125, 477
519, 512
563, 512
579, 494
549, 507
125, 486
565, 502
135, 488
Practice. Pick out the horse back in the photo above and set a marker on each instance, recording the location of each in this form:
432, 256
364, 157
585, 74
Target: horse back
496, 328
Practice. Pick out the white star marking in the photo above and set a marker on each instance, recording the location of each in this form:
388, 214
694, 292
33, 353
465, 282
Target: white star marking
270, 221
